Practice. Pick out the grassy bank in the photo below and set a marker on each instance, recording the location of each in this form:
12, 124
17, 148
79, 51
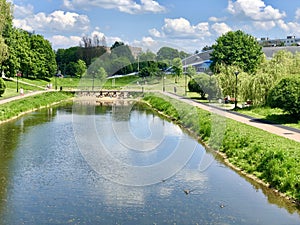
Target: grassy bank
271, 158
274, 115
17, 107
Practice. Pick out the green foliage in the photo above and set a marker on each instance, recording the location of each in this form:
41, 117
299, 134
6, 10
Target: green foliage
162, 105
194, 86
5, 24
204, 84
286, 95
236, 48
2, 87
177, 68
30, 54
167, 53
191, 71
15, 108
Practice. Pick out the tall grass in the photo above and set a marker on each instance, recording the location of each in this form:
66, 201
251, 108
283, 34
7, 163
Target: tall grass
17, 107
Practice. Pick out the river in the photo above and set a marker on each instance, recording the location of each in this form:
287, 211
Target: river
87, 164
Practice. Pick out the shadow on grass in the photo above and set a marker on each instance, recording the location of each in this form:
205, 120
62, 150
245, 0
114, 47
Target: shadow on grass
283, 118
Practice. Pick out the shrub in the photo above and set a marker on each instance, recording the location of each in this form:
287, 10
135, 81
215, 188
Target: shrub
286, 95
2, 87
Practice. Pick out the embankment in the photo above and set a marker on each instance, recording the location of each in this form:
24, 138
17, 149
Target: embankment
13, 109
267, 158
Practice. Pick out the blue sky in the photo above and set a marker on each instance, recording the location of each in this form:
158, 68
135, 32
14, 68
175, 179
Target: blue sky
187, 25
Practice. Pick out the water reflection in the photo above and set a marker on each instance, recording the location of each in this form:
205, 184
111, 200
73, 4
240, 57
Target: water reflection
47, 181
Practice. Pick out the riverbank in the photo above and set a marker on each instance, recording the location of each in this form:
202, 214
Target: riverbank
13, 109
267, 158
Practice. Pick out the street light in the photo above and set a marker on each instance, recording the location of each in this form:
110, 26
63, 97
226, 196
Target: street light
185, 78
236, 73
18, 75
93, 73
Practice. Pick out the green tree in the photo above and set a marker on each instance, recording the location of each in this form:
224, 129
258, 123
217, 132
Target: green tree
204, 84
167, 53
177, 68
19, 59
286, 95
191, 71
80, 68
2, 87
194, 86
5, 23
43, 57
236, 48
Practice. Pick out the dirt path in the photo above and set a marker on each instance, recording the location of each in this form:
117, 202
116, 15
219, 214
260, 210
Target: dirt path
281, 130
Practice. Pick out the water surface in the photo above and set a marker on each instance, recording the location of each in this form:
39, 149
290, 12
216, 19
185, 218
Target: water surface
46, 178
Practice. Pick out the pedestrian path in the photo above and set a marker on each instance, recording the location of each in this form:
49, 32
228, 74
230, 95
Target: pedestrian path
2, 101
281, 130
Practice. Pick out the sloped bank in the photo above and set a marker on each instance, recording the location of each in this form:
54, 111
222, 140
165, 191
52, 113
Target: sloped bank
267, 158
16, 108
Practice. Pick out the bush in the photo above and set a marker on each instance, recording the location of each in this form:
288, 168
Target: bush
195, 87
286, 95
2, 87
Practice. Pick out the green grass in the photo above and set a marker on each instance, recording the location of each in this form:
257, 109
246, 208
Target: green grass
11, 89
272, 158
15, 108
274, 115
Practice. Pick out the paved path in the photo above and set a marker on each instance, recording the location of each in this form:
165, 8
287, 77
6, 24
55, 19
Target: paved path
281, 130
2, 101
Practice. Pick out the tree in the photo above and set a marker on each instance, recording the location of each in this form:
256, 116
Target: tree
80, 68
204, 84
167, 53
2, 87
286, 95
43, 57
191, 71
5, 23
236, 48
177, 68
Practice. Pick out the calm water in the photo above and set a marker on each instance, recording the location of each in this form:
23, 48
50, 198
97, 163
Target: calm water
135, 171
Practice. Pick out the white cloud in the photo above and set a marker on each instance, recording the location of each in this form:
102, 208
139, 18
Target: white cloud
292, 28
220, 28
254, 10
58, 21
23, 11
155, 33
267, 25
22, 24
181, 28
126, 6
216, 19
60, 41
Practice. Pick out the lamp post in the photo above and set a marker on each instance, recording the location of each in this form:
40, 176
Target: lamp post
93, 73
164, 83
185, 78
210, 88
18, 75
236, 73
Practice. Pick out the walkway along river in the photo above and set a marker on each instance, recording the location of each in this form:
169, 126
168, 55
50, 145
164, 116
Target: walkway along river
47, 176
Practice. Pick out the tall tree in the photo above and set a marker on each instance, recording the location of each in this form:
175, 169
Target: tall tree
236, 48
5, 23
43, 56
167, 53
